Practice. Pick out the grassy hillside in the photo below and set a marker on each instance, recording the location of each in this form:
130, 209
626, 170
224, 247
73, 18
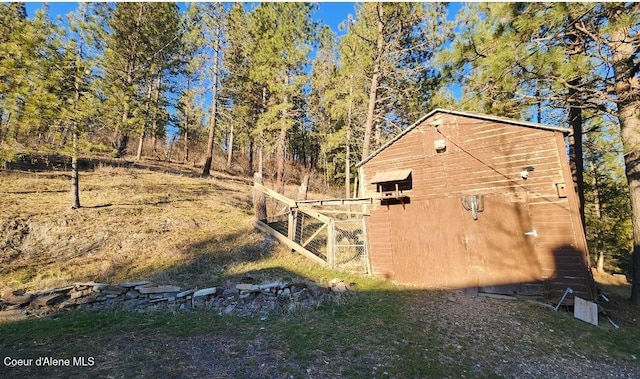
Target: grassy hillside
164, 223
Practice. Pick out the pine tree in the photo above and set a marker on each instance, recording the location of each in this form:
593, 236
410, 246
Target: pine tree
141, 42
214, 17
282, 35
79, 110
394, 44
242, 96
324, 95
607, 206
28, 55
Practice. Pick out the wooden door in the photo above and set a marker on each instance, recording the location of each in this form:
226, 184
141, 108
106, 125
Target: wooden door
436, 243
501, 245
427, 247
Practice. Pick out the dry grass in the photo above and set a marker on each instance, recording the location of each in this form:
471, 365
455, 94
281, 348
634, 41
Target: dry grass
149, 221
617, 285
134, 224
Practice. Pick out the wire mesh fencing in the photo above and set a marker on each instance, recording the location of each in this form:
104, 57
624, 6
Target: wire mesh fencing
338, 240
350, 251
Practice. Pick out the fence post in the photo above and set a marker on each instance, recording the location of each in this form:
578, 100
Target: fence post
292, 222
331, 244
365, 247
259, 199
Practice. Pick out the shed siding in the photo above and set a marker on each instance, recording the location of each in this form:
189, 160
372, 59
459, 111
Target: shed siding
434, 242
378, 230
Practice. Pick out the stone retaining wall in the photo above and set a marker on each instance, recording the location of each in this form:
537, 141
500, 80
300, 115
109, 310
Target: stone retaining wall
243, 299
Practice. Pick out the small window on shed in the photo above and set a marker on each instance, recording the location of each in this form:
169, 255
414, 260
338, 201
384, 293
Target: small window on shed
391, 184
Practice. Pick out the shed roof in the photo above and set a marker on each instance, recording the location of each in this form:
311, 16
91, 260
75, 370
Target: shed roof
391, 176
464, 114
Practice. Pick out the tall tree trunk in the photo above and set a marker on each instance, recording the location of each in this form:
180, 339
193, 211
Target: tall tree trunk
623, 51
373, 90
121, 137
281, 148
7, 133
347, 165
230, 148
123, 142
261, 141
599, 253
141, 141
75, 175
261, 154
140, 146
16, 130
154, 143
206, 170
187, 114
347, 161
154, 118
185, 156
576, 159
63, 136
629, 115
280, 158
251, 152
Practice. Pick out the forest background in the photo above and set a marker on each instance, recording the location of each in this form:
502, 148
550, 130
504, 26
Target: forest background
289, 89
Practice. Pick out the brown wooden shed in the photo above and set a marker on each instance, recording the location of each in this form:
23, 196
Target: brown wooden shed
476, 202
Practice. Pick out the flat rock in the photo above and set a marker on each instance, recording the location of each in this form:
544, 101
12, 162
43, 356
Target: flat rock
82, 293
113, 290
269, 286
54, 290
134, 284
88, 284
60, 289
247, 287
204, 292
186, 293
100, 286
158, 289
46, 300
83, 300
132, 294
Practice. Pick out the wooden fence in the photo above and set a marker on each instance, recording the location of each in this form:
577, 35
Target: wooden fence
338, 240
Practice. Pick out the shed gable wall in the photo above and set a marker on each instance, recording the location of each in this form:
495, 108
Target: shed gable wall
484, 157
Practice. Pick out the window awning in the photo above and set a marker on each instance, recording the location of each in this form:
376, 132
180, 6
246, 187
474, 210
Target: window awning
390, 176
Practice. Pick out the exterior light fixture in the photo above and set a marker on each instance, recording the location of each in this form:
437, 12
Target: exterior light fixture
524, 174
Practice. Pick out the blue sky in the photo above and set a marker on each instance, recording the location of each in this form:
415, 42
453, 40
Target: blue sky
329, 13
